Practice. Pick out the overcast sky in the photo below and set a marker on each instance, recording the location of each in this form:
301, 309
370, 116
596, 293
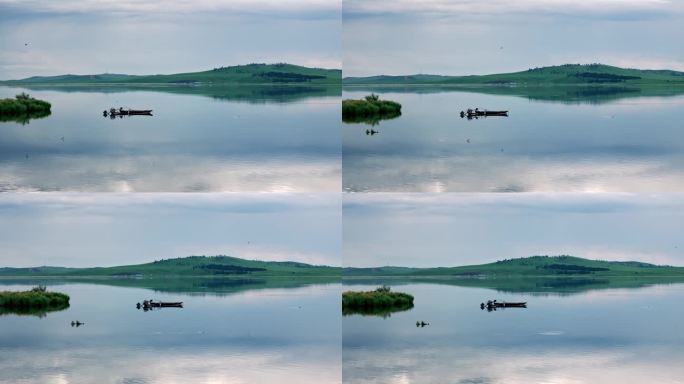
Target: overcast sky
461, 37
45, 37
429, 230
83, 230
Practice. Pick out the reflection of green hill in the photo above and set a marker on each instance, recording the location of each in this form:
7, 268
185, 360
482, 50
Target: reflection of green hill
567, 94
241, 93
528, 285
186, 285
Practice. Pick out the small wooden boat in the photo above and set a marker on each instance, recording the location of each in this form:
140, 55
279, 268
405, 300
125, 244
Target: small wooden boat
493, 305
169, 304
470, 113
148, 304
506, 305
139, 111
126, 112
493, 113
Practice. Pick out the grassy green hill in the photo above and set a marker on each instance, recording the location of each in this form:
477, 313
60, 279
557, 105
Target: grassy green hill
240, 74
567, 74
534, 266
185, 266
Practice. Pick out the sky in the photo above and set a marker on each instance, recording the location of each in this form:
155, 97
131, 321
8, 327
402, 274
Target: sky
462, 37
91, 229
44, 37
432, 229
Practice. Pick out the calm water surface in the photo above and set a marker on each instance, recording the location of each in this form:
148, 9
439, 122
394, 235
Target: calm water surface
194, 142
598, 336
283, 335
623, 145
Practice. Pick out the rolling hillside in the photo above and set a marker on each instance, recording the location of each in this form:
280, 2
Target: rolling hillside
534, 266
567, 74
185, 266
241, 74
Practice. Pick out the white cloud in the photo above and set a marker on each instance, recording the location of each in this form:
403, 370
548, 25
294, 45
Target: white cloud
173, 6
469, 7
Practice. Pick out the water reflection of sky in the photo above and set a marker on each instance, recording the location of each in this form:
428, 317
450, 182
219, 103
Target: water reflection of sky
630, 145
243, 338
614, 335
192, 143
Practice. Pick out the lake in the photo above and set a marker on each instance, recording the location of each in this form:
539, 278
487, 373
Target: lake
612, 335
558, 142
206, 139
225, 333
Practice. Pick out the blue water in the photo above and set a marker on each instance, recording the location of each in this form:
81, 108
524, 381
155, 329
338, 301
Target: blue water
193, 142
623, 145
286, 335
597, 336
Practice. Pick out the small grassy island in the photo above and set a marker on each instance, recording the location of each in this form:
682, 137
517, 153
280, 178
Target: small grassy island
38, 301
23, 108
380, 302
370, 110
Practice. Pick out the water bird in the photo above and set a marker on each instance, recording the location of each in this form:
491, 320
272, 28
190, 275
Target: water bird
76, 323
468, 141
421, 324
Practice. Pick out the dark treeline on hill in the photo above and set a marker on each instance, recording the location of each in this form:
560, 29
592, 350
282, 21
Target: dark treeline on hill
534, 266
23, 108
255, 73
565, 74
186, 266
228, 269
369, 110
